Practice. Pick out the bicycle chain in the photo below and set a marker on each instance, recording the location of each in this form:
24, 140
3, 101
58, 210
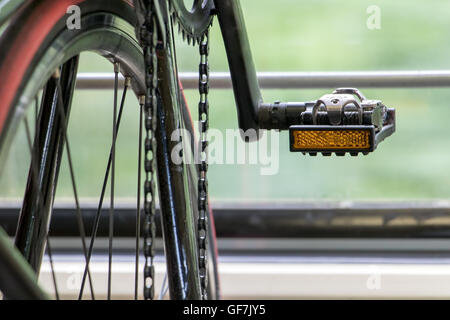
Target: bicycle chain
203, 108
148, 35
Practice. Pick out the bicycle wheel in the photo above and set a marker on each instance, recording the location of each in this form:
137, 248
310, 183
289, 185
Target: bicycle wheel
37, 42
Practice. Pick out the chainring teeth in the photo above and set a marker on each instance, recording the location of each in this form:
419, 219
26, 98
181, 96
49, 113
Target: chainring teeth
192, 25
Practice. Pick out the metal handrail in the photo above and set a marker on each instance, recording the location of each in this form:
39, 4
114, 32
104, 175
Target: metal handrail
299, 80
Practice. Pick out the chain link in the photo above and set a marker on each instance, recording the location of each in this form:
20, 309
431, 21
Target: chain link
148, 35
203, 212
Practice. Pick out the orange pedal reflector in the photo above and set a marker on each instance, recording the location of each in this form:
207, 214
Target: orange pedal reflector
332, 138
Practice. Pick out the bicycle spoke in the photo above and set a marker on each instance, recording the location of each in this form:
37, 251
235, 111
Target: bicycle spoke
36, 110
138, 208
102, 195
164, 288
78, 213
50, 257
113, 169
28, 134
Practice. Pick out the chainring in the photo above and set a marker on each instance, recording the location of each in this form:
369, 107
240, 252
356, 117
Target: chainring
193, 23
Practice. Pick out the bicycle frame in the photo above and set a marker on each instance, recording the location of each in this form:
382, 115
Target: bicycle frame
177, 215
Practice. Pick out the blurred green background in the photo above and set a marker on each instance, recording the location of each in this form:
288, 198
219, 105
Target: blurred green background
292, 35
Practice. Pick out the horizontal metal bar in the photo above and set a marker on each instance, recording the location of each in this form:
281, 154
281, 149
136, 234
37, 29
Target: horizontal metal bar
299, 80
328, 220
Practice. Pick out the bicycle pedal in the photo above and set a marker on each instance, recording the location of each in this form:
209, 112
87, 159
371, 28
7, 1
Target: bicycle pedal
340, 123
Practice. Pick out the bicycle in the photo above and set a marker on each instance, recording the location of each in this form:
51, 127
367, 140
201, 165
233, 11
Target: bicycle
137, 37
